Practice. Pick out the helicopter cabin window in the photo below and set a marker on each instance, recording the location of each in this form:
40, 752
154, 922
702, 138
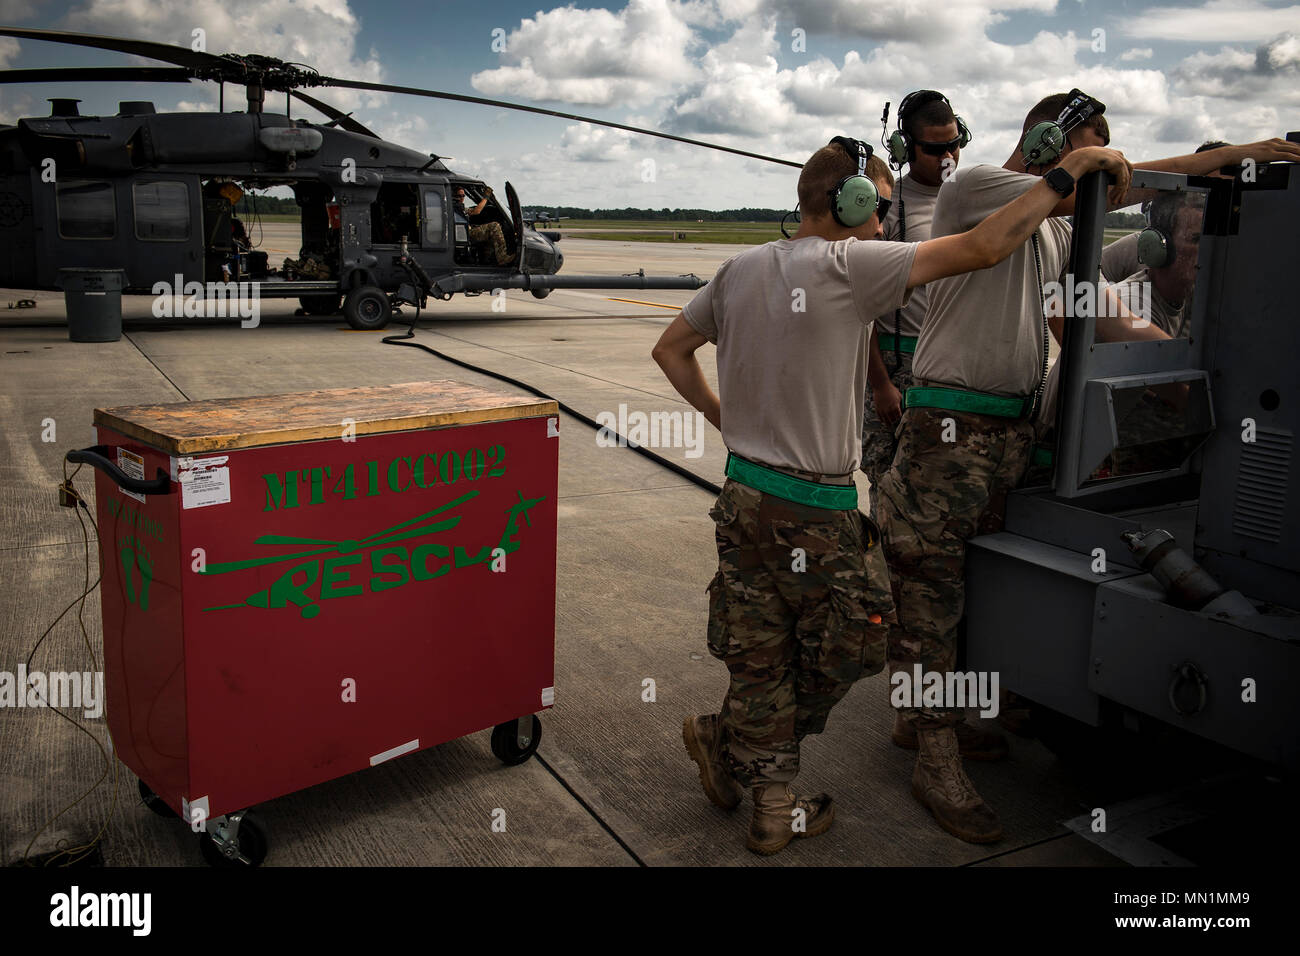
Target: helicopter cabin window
162, 211
86, 209
434, 228
395, 214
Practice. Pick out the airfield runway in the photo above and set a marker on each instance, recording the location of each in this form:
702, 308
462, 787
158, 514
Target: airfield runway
612, 785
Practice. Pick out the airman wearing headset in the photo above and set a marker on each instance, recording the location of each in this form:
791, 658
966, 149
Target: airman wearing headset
968, 422
1119, 260
929, 141
800, 606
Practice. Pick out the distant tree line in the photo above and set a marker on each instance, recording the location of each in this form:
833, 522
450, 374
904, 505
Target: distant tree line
266, 205
665, 214
1125, 220
275, 205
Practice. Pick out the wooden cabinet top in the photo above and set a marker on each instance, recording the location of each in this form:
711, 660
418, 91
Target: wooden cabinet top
183, 428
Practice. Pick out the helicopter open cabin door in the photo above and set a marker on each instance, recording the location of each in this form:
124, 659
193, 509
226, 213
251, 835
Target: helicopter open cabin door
147, 225
516, 214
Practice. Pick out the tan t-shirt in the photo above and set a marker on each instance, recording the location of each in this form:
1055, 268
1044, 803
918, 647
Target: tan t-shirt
1119, 260
791, 320
917, 200
983, 329
1134, 292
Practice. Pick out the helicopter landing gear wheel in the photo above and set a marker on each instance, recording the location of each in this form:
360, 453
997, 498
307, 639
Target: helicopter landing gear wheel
367, 308
516, 740
238, 839
541, 293
319, 304
155, 802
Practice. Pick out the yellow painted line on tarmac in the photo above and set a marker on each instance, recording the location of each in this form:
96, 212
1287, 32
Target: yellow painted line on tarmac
657, 305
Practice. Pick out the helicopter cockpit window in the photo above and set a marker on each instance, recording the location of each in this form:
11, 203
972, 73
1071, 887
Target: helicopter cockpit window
434, 228
162, 211
86, 209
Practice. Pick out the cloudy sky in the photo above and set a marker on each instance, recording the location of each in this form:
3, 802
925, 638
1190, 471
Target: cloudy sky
778, 77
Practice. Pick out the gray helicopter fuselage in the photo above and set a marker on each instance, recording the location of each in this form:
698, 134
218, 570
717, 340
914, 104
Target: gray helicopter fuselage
133, 192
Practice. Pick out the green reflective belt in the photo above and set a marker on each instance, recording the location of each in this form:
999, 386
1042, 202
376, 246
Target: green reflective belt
1041, 456
761, 478
906, 343
961, 400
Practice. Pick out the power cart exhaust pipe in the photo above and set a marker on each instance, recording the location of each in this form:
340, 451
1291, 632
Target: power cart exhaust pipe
1186, 583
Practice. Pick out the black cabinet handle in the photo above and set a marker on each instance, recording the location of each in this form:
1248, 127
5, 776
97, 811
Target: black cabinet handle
97, 456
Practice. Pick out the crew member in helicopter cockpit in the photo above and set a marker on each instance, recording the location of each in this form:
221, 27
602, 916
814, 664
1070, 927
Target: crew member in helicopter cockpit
483, 233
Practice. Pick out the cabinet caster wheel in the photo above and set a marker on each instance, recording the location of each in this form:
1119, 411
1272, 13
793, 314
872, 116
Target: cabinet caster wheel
237, 840
508, 746
155, 802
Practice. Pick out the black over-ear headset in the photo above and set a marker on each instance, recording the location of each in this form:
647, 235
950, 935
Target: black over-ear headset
1045, 141
1155, 246
901, 146
854, 198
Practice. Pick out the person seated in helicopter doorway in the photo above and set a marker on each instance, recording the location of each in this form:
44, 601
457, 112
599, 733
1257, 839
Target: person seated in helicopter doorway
486, 233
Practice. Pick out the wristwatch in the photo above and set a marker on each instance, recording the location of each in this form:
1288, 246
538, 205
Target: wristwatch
1060, 180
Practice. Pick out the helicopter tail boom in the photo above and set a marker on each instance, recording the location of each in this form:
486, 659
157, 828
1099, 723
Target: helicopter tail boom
459, 282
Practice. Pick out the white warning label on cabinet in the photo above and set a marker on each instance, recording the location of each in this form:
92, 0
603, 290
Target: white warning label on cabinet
131, 465
203, 481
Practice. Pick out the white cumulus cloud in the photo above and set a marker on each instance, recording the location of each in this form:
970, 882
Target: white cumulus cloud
596, 57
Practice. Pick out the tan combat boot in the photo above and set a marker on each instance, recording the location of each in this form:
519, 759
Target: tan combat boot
941, 784
972, 742
703, 738
775, 822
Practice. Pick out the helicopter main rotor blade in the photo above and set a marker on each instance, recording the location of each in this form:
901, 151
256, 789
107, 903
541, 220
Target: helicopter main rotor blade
272, 74
166, 52
106, 74
342, 119
414, 91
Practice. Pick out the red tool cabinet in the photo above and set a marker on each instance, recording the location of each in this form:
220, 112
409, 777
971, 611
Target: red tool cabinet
316, 583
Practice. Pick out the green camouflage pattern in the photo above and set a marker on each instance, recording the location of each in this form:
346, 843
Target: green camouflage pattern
879, 441
793, 640
490, 234
937, 495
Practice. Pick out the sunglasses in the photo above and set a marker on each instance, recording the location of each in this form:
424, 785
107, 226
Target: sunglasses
940, 149
882, 208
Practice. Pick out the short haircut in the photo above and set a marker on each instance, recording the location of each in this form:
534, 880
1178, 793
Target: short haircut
934, 113
1167, 206
823, 172
1050, 107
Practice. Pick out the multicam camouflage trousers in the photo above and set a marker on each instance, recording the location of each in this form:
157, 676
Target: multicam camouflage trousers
937, 495
879, 441
490, 234
795, 627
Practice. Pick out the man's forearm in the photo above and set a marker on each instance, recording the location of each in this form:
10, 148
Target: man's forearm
877, 374
687, 377
1119, 324
1196, 164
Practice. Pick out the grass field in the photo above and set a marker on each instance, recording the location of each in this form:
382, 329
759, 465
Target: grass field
634, 230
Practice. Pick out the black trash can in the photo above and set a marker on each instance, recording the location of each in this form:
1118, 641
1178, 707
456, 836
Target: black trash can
93, 298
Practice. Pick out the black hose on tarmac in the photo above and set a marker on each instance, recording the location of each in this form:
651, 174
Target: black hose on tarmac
657, 459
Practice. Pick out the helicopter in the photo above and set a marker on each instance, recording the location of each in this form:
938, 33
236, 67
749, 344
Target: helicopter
153, 194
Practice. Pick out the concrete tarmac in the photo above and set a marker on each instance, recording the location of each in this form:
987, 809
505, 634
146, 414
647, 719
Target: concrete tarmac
612, 785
